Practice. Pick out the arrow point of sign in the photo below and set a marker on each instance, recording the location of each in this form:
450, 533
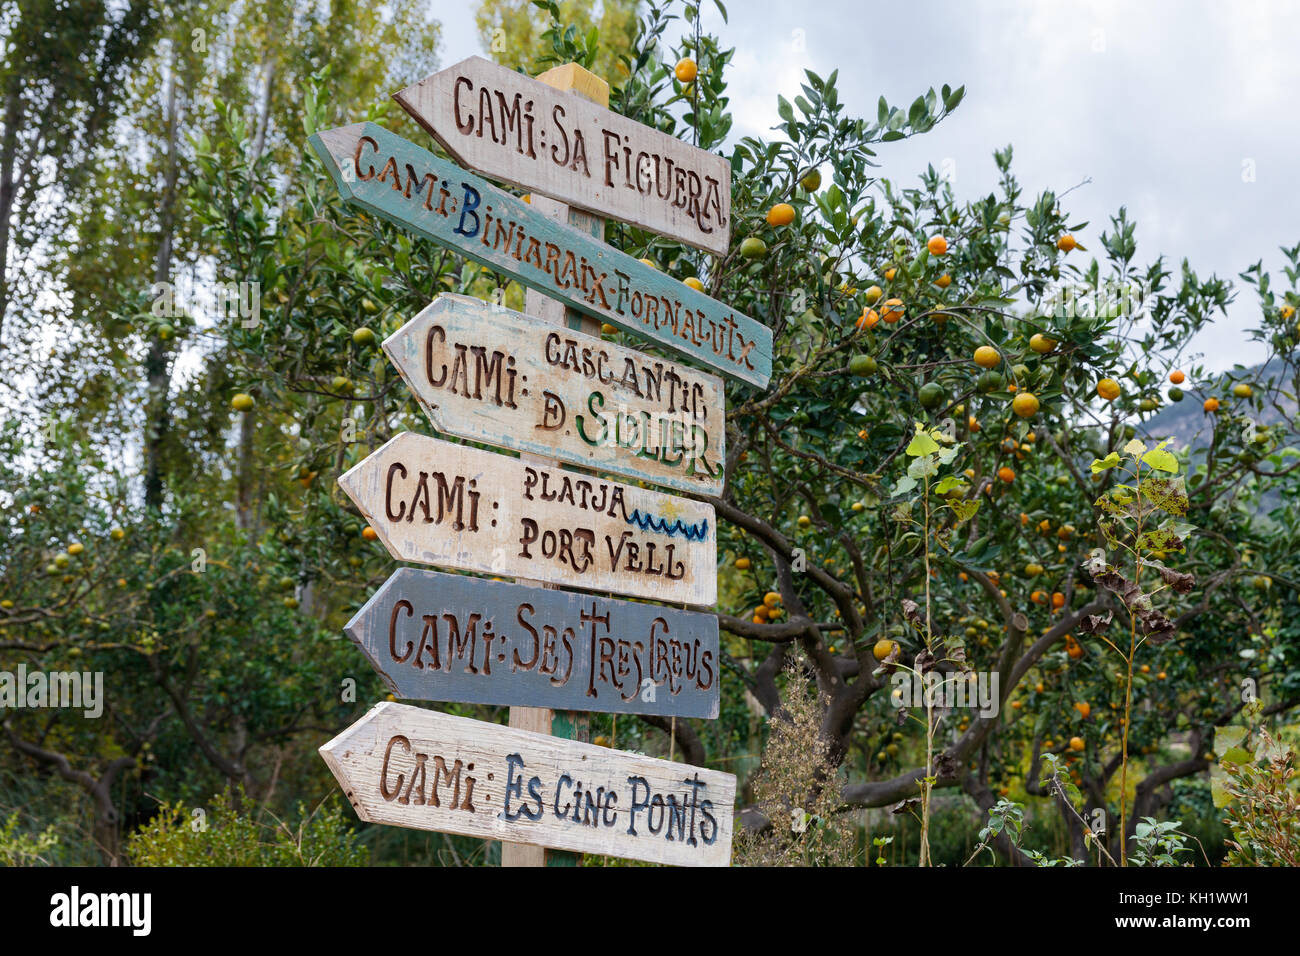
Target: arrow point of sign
335, 147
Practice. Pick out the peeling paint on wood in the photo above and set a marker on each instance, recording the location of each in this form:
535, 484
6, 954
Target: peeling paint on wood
411, 767
518, 130
393, 178
451, 637
459, 507
489, 374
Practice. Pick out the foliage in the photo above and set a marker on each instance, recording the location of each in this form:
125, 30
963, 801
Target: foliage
1263, 808
24, 849
796, 789
216, 561
227, 835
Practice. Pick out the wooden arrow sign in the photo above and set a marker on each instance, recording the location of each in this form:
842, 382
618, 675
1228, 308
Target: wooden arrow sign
393, 178
513, 128
411, 767
491, 375
459, 507
453, 637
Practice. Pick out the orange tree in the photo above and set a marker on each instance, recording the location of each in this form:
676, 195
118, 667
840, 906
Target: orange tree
987, 321
846, 539
851, 544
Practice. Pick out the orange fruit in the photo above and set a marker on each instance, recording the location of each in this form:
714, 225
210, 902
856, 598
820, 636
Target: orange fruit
937, 245
1242, 390
884, 647
986, 356
782, 214
1038, 597
369, 533
771, 599
243, 402
1058, 601
1076, 743
1108, 389
1288, 311
1016, 705
761, 612
1084, 708
868, 319
943, 281
1006, 474
893, 310
1211, 405
973, 424
1177, 377
686, 70
1041, 343
874, 294
1025, 405
693, 283
742, 564
1066, 243
890, 273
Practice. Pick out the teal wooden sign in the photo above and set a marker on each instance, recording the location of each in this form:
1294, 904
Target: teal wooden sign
393, 178
453, 637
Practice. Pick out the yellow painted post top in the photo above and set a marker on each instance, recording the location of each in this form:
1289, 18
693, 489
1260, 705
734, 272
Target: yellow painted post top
572, 76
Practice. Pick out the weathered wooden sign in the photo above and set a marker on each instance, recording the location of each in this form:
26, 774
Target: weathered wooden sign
393, 178
460, 507
489, 374
513, 128
452, 637
411, 767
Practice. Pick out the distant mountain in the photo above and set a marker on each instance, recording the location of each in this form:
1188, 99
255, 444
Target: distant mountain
1187, 424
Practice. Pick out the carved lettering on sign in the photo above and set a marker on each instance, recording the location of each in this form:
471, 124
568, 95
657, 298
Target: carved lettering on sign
489, 374
518, 130
459, 507
452, 637
411, 767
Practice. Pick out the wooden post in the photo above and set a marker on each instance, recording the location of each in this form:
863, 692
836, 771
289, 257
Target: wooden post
571, 725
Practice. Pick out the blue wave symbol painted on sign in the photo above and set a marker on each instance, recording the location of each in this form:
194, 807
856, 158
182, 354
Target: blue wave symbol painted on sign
648, 522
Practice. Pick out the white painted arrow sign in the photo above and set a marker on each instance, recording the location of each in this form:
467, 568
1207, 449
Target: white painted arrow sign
517, 130
489, 374
411, 767
459, 507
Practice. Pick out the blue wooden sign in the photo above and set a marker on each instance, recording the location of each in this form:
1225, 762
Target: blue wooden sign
452, 637
393, 178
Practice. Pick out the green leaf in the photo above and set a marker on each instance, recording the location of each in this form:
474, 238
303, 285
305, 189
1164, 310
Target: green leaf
922, 444
1225, 738
1102, 464
1161, 460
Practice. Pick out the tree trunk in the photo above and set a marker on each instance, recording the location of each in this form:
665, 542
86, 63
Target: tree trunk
8, 155
157, 364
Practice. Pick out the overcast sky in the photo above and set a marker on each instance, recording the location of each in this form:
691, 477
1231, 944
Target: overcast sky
1185, 112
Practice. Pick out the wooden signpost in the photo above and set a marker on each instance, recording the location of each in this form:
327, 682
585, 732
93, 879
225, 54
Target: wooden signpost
393, 178
546, 386
459, 507
515, 129
412, 767
453, 637
489, 374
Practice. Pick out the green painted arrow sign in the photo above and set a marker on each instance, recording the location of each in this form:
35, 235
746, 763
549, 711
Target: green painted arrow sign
393, 178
